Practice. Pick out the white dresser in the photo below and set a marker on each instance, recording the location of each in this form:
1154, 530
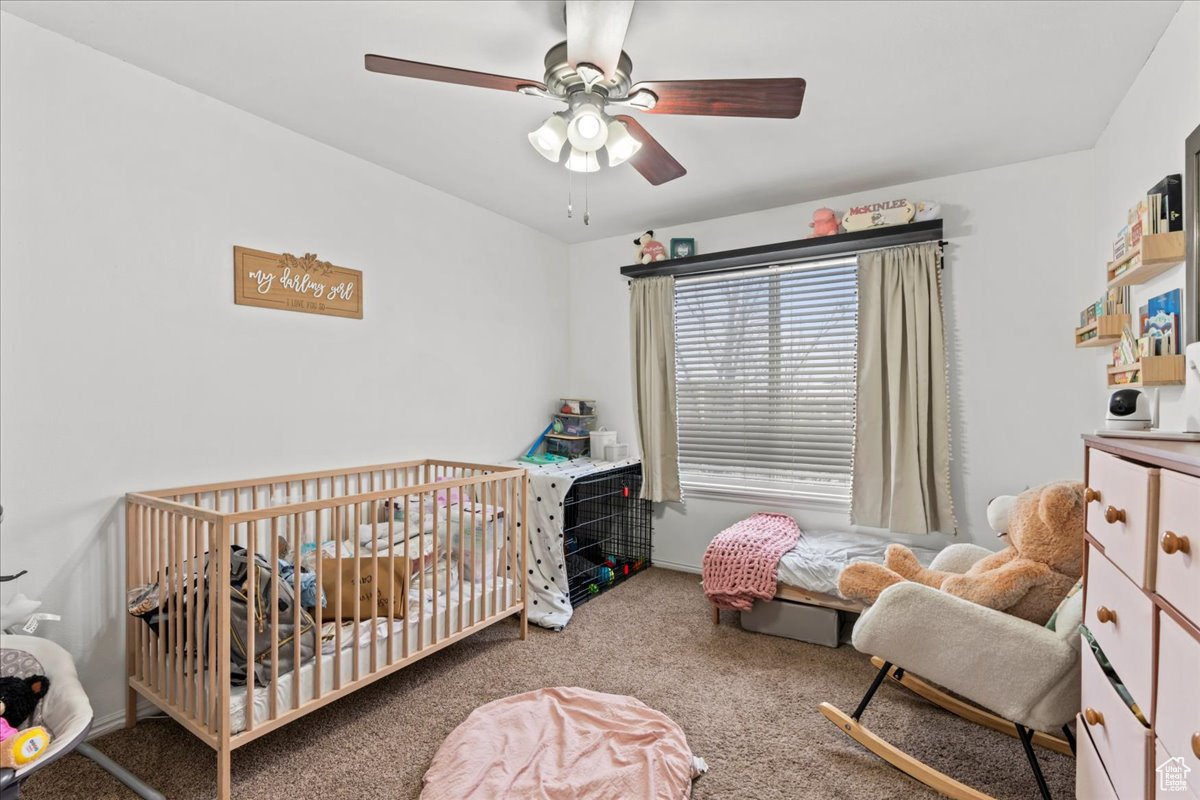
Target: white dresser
1142, 605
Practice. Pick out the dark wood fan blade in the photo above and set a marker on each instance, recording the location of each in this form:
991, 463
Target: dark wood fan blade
778, 98
433, 72
652, 160
596, 32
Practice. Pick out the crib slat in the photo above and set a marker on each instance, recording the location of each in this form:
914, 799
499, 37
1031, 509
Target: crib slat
335, 523
408, 571
523, 555
274, 632
476, 516
421, 575
193, 592
297, 603
374, 512
319, 613
437, 548
391, 534
494, 550
215, 588
449, 564
355, 523
462, 495
251, 614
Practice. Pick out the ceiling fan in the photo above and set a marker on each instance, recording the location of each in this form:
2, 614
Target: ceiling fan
590, 72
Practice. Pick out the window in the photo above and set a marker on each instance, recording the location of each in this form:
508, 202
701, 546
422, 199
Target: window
765, 375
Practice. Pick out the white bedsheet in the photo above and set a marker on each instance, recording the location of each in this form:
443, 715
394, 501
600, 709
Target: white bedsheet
819, 557
447, 607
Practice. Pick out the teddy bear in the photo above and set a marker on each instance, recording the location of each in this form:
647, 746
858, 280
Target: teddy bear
1028, 579
648, 249
18, 700
824, 222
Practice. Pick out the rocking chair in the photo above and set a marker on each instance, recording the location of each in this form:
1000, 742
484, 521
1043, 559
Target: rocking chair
1011, 675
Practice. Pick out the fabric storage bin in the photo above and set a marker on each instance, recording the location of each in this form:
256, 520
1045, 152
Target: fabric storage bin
569, 446
794, 621
574, 424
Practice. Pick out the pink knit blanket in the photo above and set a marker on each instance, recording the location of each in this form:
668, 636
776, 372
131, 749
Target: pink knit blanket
742, 563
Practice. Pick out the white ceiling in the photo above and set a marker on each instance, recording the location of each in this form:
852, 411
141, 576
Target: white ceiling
896, 91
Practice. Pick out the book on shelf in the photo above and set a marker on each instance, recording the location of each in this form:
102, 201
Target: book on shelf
1162, 322
1169, 216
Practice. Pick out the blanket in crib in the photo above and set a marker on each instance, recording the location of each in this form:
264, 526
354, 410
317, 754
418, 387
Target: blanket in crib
741, 563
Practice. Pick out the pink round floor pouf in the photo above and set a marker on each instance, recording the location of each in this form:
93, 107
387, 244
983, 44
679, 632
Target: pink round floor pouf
566, 743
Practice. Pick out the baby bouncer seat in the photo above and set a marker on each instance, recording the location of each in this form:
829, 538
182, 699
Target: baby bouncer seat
987, 666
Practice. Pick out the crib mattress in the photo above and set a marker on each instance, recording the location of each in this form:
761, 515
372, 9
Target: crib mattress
283, 685
819, 557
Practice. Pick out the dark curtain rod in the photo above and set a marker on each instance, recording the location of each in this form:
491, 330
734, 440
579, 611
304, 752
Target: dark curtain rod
798, 250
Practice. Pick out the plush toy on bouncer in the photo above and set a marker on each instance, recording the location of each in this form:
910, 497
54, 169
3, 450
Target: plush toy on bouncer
18, 699
1028, 579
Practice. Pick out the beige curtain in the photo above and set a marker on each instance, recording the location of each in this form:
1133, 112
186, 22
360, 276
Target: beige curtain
902, 417
652, 342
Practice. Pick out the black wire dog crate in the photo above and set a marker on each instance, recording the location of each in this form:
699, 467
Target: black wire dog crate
606, 531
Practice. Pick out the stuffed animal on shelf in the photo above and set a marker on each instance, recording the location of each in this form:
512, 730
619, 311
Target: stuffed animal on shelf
926, 210
18, 699
1028, 579
649, 249
824, 223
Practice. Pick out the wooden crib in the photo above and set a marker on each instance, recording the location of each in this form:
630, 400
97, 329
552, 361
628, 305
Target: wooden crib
464, 520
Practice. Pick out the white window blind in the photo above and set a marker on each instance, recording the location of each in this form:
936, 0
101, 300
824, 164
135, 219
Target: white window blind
765, 373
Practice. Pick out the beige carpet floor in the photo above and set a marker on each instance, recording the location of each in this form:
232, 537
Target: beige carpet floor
748, 703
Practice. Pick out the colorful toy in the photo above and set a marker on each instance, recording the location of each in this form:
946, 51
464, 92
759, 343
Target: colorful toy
533, 457
593, 589
18, 699
649, 249
605, 575
824, 223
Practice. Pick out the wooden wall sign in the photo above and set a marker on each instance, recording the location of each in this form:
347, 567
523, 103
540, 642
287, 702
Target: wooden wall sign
291, 283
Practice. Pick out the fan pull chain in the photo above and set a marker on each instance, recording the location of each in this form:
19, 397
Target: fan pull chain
587, 216
570, 189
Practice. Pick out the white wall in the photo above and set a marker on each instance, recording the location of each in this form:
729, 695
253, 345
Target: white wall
1143, 142
1012, 283
125, 365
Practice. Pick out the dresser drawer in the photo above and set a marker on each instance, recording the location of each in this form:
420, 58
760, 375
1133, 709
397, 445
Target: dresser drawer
1123, 743
1177, 554
1177, 712
1121, 512
1091, 779
1168, 777
1121, 618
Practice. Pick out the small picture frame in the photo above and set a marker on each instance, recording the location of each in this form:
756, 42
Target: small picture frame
682, 248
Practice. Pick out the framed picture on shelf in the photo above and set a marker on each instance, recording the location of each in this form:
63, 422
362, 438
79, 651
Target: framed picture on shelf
682, 248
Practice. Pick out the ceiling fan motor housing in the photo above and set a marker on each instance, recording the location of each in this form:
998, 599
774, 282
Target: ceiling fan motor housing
563, 80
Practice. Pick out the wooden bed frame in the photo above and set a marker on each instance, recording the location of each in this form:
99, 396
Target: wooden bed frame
795, 594
190, 531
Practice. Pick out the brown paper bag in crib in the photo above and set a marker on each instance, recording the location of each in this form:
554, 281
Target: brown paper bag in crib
360, 592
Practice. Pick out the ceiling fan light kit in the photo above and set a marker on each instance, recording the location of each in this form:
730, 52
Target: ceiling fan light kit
589, 72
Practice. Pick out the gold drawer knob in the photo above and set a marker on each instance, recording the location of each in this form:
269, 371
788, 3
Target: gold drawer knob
1173, 543
1114, 515
1091, 495
1106, 614
1093, 717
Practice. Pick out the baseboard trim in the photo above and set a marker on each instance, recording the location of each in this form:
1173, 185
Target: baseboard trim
676, 567
116, 720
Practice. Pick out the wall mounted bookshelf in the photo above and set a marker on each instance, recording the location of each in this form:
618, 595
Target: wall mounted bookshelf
1158, 252
1104, 331
1147, 371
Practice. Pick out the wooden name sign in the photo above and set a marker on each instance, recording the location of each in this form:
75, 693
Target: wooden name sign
288, 283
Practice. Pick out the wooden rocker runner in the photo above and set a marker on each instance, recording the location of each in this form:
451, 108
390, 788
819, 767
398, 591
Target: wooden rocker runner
1016, 677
